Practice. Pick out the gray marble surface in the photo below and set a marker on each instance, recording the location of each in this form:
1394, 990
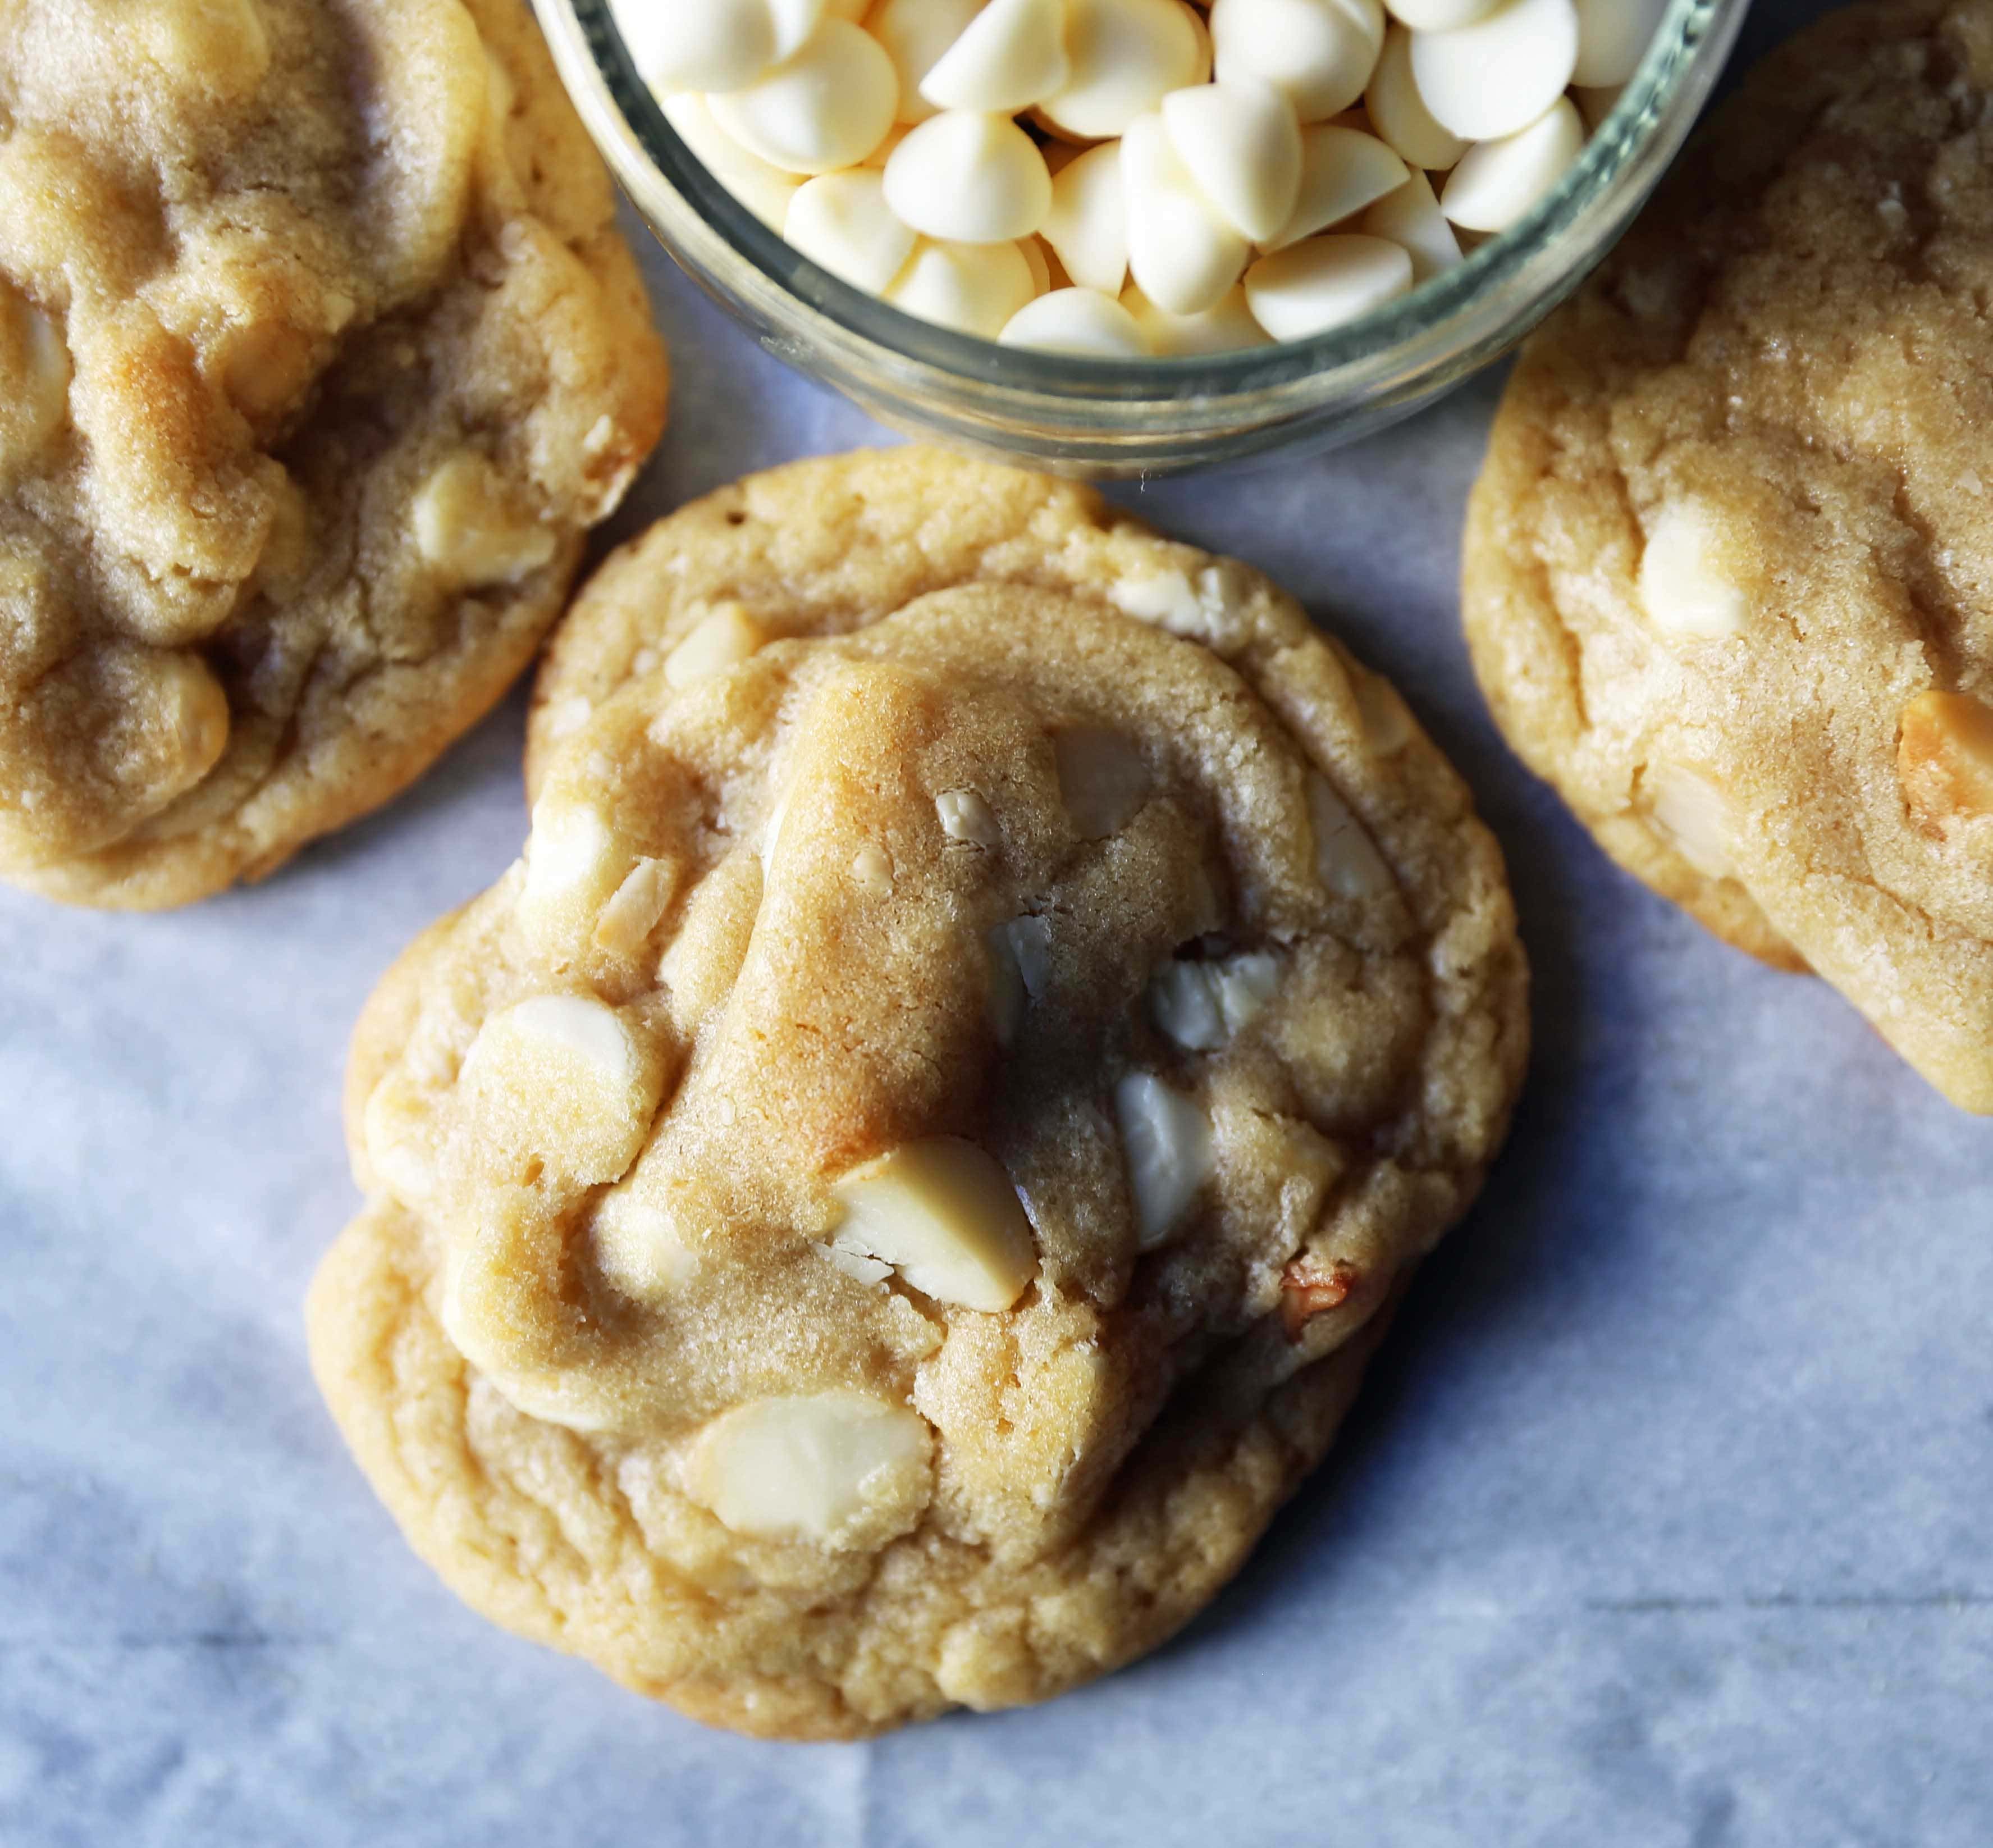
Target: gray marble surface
1664, 1519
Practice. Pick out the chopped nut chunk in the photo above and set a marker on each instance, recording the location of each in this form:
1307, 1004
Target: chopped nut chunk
1306, 1291
1944, 757
944, 1214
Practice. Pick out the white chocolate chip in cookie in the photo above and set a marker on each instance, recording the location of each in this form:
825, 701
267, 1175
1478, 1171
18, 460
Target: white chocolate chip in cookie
944, 1214
965, 816
625, 923
1692, 811
1020, 971
1011, 55
872, 870
1102, 780
836, 1468
1944, 757
724, 639
36, 365
827, 106
1167, 1139
561, 1081
574, 867
1202, 1005
1683, 588
395, 1128
1345, 856
467, 525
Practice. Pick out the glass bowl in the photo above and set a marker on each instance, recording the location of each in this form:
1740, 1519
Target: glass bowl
1119, 417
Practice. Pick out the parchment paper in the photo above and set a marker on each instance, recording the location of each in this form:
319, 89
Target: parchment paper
1664, 1519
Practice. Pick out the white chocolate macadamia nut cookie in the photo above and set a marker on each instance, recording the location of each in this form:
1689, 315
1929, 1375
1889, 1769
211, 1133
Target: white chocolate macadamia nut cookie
318, 356
946, 155
1729, 568
877, 1208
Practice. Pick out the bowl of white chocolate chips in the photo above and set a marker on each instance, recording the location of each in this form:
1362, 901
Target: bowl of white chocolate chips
1122, 236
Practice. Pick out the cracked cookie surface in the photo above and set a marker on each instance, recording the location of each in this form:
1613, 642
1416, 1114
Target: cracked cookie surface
1729, 567
318, 354
876, 1209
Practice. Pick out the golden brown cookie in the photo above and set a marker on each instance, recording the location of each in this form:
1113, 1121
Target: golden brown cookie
319, 354
879, 1207
1729, 568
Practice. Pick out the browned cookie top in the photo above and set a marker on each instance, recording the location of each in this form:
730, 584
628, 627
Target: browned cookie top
1729, 573
992, 1004
318, 354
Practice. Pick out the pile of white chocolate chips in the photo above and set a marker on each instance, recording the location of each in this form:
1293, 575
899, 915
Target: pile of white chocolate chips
1133, 178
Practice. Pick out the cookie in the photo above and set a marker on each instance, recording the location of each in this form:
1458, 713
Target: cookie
1728, 578
318, 354
877, 1208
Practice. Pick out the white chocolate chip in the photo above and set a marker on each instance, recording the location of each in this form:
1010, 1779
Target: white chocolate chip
944, 1215
916, 35
1342, 170
467, 525
1201, 1005
625, 923
965, 815
1102, 781
842, 220
1612, 37
569, 715
1224, 329
1441, 15
872, 870
640, 1248
816, 1467
559, 1077
1683, 588
1241, 144
1319, 52
1498, 180
395, 1129
1692, 811
1011, 55
1244, 985
1410, 217
1184, 1005
1165, 598
1020, 970
971, 288
969, 178
1076, 320
722, 640
712, 44
1167, 1139
1181, 249
1088, 222
1345, 856
1125, 57
35, 364
1325, 283
1500, 73
827, 105
571, 849
1399, 114
765, 191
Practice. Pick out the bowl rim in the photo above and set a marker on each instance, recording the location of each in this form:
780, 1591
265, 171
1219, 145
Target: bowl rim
1451, 321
